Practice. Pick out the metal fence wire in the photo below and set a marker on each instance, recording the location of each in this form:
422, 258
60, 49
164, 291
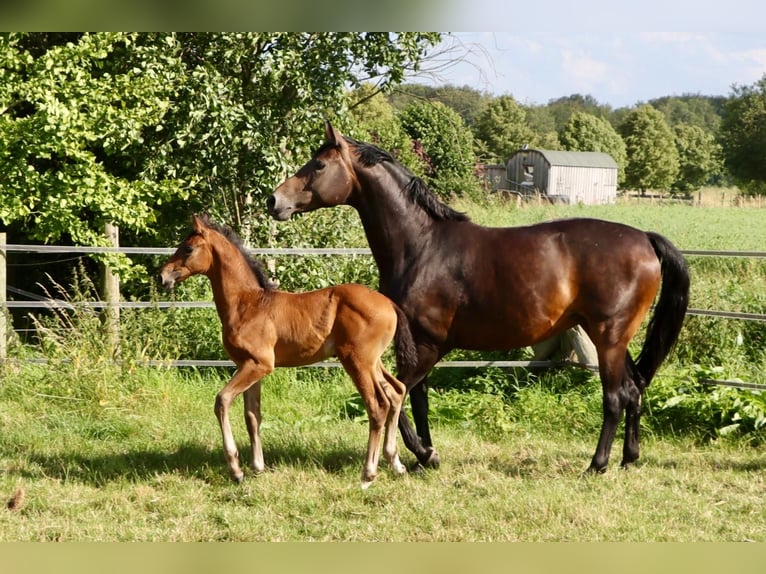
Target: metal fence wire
37, 302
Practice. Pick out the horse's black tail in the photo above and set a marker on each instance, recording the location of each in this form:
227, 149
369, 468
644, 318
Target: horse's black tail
404, 344
668, 317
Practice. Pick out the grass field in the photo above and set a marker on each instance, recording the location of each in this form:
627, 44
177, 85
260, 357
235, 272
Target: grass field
97, 452
145, 464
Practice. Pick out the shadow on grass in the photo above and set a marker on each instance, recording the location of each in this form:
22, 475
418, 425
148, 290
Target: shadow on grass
188, 460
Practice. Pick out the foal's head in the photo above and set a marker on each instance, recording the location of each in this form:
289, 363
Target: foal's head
326, 180
193, 256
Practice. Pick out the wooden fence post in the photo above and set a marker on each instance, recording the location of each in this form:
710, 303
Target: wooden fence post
111, 290
3, 311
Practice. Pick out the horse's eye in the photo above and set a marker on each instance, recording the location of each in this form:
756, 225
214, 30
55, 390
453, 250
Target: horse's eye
188, 249
320, 165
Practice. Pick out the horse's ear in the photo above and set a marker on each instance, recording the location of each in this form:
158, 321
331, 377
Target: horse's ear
332, 136
198, 223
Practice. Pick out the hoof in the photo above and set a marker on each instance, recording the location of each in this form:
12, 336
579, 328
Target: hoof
399, 469
595, 470
366, 484
430, 460
237, 477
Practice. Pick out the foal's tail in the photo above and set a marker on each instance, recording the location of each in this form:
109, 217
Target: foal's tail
668, 317
404, 344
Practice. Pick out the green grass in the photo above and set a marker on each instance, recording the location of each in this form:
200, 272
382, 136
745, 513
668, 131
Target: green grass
145, 464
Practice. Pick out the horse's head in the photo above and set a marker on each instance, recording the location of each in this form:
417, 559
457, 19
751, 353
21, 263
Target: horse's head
326, 180
193, 256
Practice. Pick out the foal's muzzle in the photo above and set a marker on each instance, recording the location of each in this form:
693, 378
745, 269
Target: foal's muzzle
168, 279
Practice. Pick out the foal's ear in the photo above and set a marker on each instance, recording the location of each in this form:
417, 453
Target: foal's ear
197, 223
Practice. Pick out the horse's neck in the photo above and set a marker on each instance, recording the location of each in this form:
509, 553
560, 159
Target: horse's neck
230, 278
396, 229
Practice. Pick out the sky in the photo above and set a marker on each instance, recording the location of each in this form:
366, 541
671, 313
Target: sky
619, 69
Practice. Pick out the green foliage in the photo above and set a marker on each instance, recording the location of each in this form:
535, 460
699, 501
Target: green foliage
562, 109
684, 405
501, 129
74, 110
251, 106
586, 132
445, 144
699, 158
651, 151
701, 111
743, 136
465, 100
374, 120
142, 129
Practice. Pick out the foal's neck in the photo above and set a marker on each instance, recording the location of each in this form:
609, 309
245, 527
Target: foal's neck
230, 277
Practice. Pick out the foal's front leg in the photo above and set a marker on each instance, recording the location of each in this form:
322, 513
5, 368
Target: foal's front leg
248, 374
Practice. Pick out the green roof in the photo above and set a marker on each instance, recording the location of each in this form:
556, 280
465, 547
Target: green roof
577, 158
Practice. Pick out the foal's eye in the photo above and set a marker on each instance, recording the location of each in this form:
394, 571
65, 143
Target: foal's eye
320, 165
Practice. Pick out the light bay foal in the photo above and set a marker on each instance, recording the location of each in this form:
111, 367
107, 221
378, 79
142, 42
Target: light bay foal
264, 328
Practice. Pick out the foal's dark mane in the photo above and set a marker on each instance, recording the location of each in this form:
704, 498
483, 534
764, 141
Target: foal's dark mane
415, 189
255, 265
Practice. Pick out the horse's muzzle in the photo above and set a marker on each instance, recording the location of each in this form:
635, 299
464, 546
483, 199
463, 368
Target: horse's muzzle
278, 212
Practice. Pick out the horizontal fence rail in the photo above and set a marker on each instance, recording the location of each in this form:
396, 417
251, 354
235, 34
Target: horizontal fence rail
48, 303
290, 250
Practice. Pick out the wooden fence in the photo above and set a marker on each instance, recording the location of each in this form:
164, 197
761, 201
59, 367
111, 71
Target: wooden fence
115, 304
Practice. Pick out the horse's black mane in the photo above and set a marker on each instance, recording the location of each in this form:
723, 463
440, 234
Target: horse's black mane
255, 265
416, 189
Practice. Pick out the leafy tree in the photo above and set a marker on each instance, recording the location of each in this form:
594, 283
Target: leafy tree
141, 129
586, 132
74, 110
374, 120
466, 101
699, 158
691, 109
743, 136
651, 150
501, 129
543, 123
253, 105
563, 108
445, 144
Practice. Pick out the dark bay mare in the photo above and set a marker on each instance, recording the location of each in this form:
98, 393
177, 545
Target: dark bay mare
264, 328
465, 286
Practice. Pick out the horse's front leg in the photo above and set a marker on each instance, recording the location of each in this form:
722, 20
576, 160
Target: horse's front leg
253, 423
248, 374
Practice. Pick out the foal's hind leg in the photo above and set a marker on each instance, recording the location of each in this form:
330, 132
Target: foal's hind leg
253, 423
395, 391
376, 404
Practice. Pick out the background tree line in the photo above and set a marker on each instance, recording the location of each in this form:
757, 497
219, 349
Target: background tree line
140, 129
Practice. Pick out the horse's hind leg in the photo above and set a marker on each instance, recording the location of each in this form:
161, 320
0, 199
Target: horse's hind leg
395, 391
615, 398
415, 380
253, 423
634, 388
